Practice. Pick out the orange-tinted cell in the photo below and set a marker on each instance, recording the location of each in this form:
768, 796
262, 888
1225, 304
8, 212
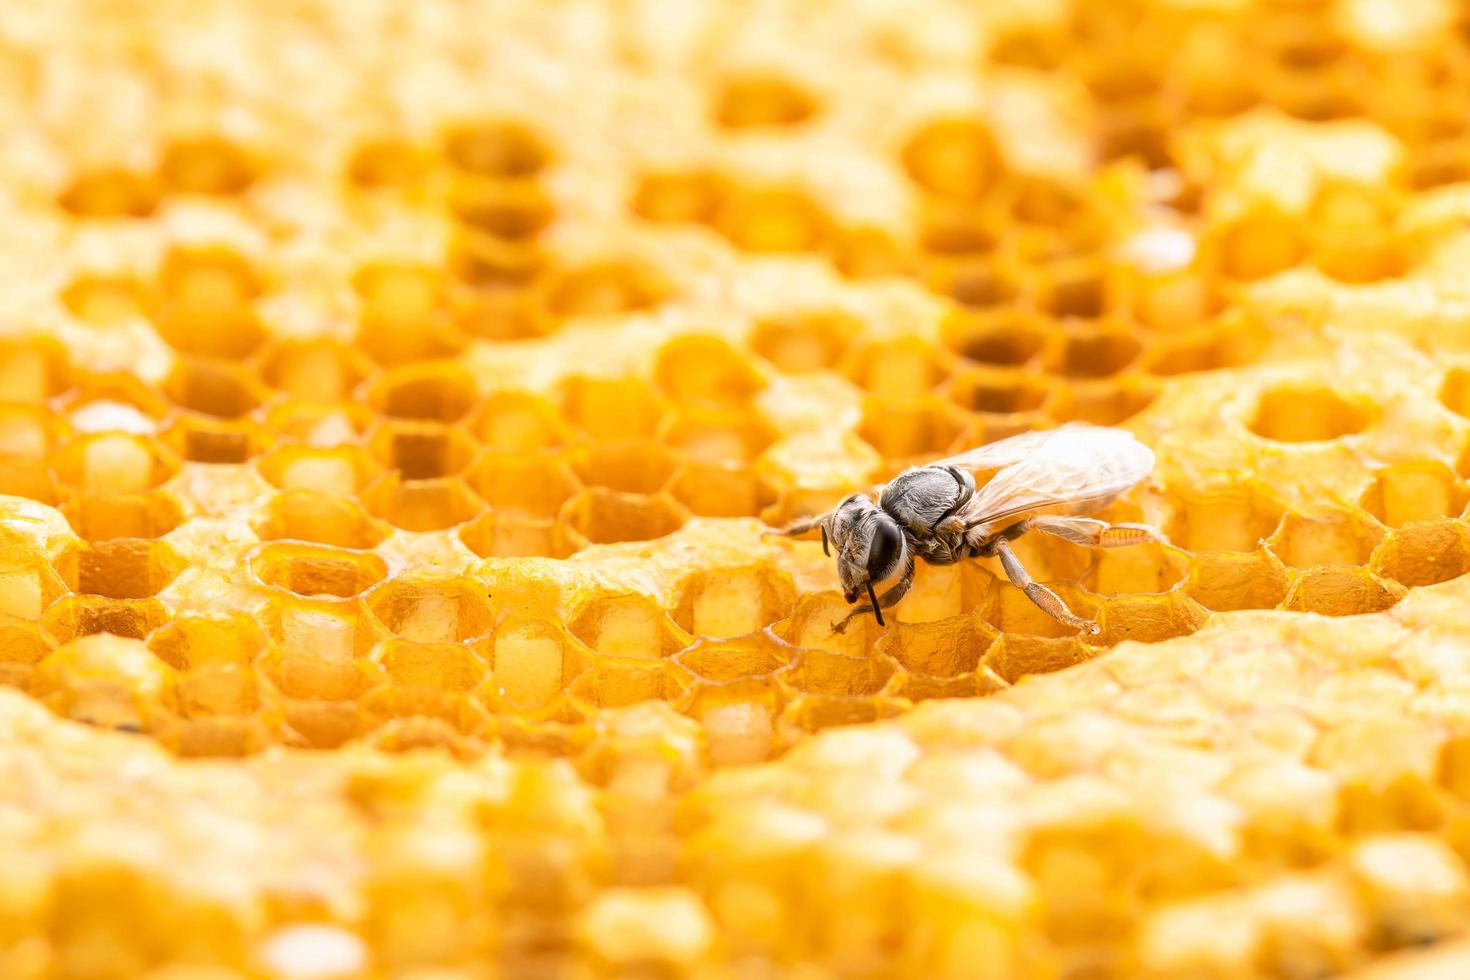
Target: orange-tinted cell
111, 193
1423, 553
1001, 338
315, 370
508, 209
497, 535
207, 165
102, 300
721, 489
628, 626
773, 219
1414, 491
628, 467
605, 288
706, 370
1016, 655
120, 568
74, 616
1340, 590
1309, 413
440, 392
904, 367
1107, 402
954, 158
32, 369
22, 646
107, 681
422, 450
612, 409
317, 571
611, 682
604, 516
98, 516
386, 161
516, 485
1000, 390
1260, 243
422, 505
497, 148
321, 518
518, 422
432, 609
340, 471
866, 252
1326, 536
762, 99
689, 196
728, 602
203, 440
209, 640
1225, 581
321, 425
531, 662
804, 342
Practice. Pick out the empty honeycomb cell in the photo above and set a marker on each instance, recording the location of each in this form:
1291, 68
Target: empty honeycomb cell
28, 584
1098, 352
207, 164
804, 342
209, 640
903, 430
313, 370
1223, 516
811, 626
601, 289
1002, 338
497, 148
762, 99
341, 471
74, 616
509, 209
120, 568
531, 661
729, 602
321, 518
218, 689
772, 220
1326, 536
113, 402
1309, 413
692, 196
1443, 162
319, 424
706, 370
1341, 590
111, 193
838, 674
421, 450
518, 422
615, 682
402, 316
204, 440
1230, 580
604, 516
1014, 655
1454, 391
320, 703
953, 158
516, 485
107, 681
947, 649
976, 283
627, 626
1076, 289
99, 516
437, 392
429, 664
961, 229
215, 388
1144, 568
943, 592
431, 609
1000, 391
32, 369
1423, 553
628, 467
721, 490
717, 435
900, 368
1414, 491
22, 646
611, 409
102, 300
421, 505
865, 252
732, 697
497, 535
1149, 618
385, 162
317, 571
27, 438
205, 308
1259, 243
1110, 402
810, 713
1358, 256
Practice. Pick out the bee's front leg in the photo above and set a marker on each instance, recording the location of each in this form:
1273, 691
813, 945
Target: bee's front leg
889, 598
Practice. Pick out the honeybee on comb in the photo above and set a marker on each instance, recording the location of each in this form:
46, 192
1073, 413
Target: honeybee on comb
1047, 481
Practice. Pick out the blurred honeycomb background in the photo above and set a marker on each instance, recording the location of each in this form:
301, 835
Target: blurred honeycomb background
394, 398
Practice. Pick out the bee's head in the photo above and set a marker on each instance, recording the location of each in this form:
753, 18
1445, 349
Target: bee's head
870, 546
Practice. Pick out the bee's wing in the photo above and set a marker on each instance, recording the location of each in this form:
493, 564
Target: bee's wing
1067, 465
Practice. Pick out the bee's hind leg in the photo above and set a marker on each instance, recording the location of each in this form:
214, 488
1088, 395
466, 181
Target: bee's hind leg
1093, 533
1046, 600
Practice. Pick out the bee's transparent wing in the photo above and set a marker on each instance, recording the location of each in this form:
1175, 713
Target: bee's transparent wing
1066, 465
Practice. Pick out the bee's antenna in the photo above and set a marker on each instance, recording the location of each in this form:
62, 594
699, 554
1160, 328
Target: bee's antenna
873, 598
825, 550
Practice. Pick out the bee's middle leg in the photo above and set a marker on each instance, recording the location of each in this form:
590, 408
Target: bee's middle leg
1093, 533
1046, 600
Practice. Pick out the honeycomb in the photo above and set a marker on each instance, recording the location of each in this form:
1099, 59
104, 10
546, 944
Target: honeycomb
396, 400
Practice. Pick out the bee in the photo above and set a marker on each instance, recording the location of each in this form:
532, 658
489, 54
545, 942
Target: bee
1046, 481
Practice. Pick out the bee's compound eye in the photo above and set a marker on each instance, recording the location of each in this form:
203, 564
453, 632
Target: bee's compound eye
883, 550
